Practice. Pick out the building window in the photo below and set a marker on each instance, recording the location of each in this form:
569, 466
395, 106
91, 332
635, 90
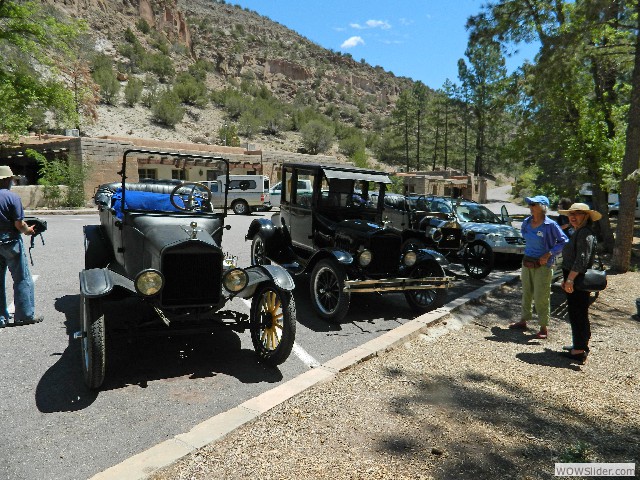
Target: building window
212, 175
178, 175
150, 173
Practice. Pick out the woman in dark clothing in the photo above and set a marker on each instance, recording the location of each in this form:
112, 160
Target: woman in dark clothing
563, 220
577, 257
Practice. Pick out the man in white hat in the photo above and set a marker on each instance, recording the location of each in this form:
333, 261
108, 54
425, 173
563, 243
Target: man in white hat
13, 255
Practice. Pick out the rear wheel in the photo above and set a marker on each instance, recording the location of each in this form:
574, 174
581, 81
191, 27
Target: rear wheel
327, 291
241, 207
478, 260
93, 342
422, 301
273, 324
258, 251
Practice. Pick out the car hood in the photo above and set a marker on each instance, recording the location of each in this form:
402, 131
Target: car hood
500, 229
361, 227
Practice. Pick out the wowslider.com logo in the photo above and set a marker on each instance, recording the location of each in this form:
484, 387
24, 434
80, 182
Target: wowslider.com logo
595, 470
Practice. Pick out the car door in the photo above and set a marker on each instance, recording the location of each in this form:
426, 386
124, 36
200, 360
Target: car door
300, 210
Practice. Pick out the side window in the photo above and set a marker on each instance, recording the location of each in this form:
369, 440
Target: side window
303, 196
285, 185
237, 184
265, 185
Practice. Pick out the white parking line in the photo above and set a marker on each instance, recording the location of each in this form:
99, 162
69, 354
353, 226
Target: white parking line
298, 351
12, 308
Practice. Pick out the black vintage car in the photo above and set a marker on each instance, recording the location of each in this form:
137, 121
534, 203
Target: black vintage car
336, 233
160, 245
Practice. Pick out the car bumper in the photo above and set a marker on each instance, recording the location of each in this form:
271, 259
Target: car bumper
512, 249
397, 284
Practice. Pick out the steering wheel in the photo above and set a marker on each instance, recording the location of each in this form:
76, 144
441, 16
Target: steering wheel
198, 190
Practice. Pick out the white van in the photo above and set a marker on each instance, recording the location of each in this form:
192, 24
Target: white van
247, 193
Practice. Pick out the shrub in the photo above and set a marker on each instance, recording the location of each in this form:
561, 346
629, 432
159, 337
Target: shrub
56, 172
161, 65
350, 145
143, 26
317, 137
133, 91
106, 78
190, 90
167, 109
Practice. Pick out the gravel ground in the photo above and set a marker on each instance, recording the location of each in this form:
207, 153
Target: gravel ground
469, 399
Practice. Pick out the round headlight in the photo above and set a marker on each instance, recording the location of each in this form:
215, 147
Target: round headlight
436, 235
364, 258
470, 236
235, 280
410, 258
149, 283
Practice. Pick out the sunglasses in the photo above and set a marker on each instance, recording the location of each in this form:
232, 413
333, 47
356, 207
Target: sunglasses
533, 204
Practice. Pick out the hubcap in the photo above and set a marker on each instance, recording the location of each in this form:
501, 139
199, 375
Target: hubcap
271, 316
328, 291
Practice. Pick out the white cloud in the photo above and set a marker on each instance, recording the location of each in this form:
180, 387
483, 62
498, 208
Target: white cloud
383, 24
352, 42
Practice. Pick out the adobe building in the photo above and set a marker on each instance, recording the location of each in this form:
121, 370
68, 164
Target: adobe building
446, 183
101, 159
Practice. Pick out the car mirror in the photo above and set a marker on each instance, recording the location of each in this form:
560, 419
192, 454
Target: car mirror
505, 215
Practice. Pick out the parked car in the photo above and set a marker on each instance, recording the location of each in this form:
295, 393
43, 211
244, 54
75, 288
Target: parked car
439, 230
160, 247
486, 234
335, 233
275, 192
614, 209
246, 193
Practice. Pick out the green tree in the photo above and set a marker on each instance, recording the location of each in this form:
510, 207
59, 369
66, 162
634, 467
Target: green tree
317, 137
133, 91
28, 35
167, 109
404, 122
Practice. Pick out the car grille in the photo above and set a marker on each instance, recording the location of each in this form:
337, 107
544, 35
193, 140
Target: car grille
386, 255
192, 276
514, 240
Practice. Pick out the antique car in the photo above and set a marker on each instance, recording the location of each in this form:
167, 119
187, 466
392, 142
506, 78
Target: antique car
159, 246
335, 233
485, 233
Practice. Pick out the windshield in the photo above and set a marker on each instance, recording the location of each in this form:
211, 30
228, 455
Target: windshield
472, 212
192, 195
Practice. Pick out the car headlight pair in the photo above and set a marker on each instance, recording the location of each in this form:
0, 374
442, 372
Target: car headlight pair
235, 280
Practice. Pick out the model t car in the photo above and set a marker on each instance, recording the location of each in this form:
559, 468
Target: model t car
160, 245
335, 233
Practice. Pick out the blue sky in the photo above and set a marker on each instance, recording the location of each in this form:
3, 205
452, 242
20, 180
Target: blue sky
420, 39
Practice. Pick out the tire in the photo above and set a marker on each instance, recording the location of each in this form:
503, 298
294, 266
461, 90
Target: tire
478, 260
258, 251
241, 207
93, 345
422, 301
329, 299
412, 244
273, 324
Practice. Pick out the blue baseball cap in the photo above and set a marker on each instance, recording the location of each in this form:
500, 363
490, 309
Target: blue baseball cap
541, 199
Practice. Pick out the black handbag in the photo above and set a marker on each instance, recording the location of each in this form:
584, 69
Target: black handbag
591, 281
594, 279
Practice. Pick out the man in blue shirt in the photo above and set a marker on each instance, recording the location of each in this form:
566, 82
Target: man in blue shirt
544, 240
13, 255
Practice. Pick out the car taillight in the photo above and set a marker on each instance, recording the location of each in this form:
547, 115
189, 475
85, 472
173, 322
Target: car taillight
262, 197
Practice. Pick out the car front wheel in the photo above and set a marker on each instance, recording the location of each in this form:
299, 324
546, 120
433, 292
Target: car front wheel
478, 260
327, 291
273, 324
422, 301
258, 251
93, 342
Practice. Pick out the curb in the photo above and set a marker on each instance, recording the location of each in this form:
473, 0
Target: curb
215, 428
75, 211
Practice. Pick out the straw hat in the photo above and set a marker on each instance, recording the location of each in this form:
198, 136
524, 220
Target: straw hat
5, 172
582, 207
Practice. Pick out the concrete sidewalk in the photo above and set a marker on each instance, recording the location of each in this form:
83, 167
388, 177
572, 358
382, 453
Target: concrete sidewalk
216, 428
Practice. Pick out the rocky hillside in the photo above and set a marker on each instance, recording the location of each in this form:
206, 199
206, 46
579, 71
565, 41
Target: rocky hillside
242, 46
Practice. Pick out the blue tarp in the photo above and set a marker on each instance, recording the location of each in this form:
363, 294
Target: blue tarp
145, 201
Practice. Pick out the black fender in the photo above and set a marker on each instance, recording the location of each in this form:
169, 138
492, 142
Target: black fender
342, 257
266, 273
428, 255
271, 234
99, 282
97, 248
